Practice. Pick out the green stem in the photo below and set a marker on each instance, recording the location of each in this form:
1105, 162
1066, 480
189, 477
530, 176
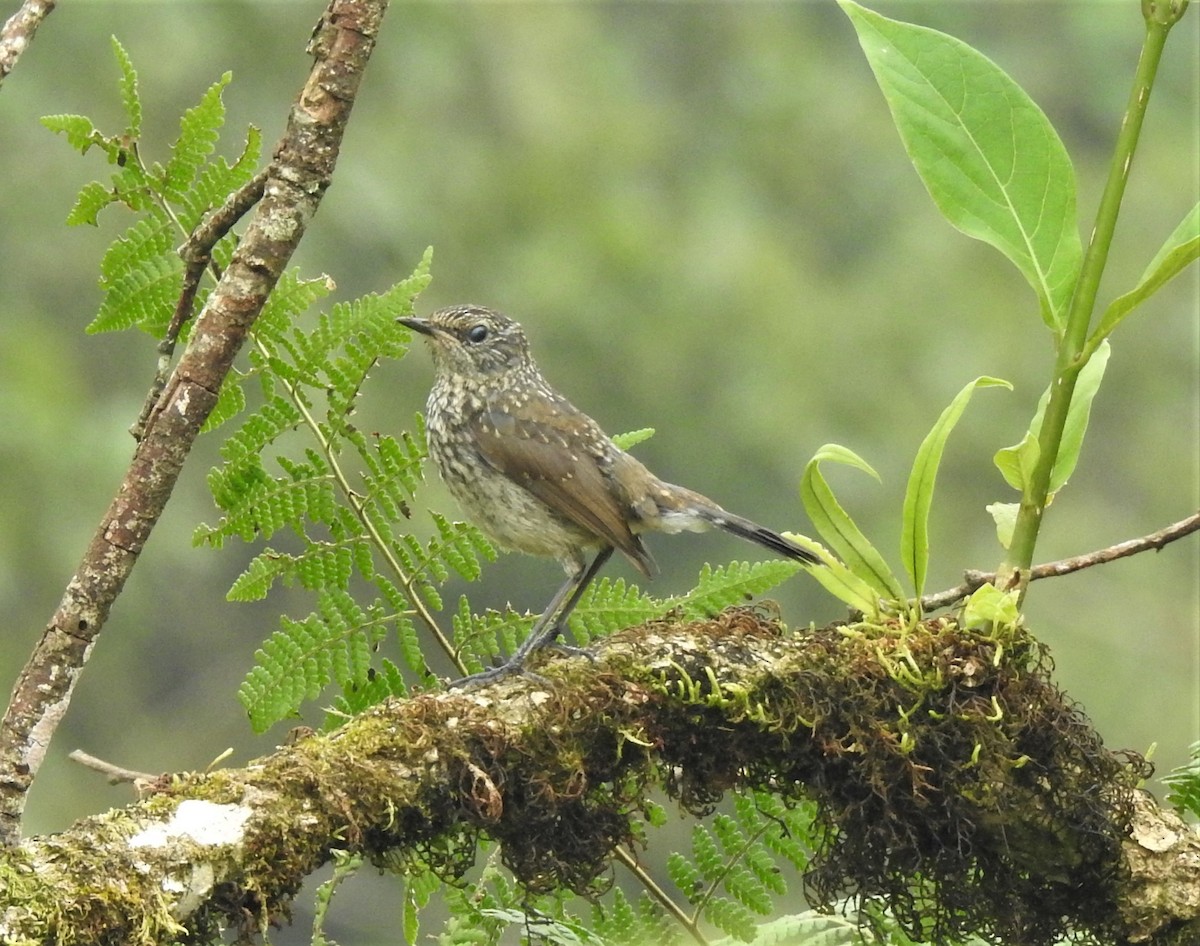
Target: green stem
1071, 356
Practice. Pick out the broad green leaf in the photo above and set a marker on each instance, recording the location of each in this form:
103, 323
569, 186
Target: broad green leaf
1017, 462
839, 530
989, 605
918, 497
986, 153
1182, 247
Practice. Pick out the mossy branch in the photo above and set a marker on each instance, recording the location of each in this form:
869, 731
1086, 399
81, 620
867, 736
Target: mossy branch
936, 753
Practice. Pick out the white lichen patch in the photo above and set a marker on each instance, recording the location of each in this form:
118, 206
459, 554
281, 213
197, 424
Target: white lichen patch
202, 822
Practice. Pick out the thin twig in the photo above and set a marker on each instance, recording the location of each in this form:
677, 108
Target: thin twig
114, 773
196, 252
973, 580
622, 854
17, 32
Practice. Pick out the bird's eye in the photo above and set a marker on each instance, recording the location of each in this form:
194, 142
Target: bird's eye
477, 333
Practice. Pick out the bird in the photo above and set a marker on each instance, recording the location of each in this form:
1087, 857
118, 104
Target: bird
537, 475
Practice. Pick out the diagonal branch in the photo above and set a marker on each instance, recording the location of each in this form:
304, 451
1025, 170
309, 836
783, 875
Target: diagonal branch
297, 178
18, 30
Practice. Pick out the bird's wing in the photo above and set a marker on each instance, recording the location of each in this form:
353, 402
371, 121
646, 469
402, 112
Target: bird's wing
545, 453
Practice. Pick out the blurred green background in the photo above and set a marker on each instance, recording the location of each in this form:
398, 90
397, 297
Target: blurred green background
703, 216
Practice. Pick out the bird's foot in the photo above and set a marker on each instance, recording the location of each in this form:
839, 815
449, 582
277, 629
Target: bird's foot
516, 664
492, 674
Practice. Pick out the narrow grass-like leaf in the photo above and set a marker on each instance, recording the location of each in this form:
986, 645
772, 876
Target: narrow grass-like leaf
918, 497
1182, 247
986, 153
838, 529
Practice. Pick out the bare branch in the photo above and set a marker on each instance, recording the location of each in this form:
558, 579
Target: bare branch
17, 32
1155, 540
297, 178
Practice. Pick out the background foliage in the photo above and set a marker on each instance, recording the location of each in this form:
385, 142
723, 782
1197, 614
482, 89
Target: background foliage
706, 204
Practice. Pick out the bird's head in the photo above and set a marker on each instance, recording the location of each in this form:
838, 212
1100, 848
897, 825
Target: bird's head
470, 341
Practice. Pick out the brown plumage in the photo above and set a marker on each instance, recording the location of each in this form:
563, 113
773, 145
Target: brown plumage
538, 475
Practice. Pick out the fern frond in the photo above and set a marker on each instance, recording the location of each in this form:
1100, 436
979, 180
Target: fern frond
231, 401
479, 637
130, 99
291, 296
199, 131
718, 588
93, 197
608, 606
632, 438
359, 695
733, 918
140, 276
303, 657
81, 133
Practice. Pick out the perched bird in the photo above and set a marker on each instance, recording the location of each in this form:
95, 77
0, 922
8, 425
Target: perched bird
538, 475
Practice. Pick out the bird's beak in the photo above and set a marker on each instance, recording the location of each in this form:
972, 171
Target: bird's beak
419, 325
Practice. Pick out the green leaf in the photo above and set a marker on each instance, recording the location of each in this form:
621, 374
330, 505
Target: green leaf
93, 197
1005, 517
1086, 386
632, 438
839, 530
718, 588
1017, 462
81, 133
129, 91
199, 130
1182, 247
986, 153
989, 605
918, 497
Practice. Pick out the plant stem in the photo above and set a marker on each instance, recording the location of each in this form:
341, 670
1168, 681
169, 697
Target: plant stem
1071, 356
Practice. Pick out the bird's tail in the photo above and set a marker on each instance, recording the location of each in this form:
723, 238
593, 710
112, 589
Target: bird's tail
679, 508
763, 536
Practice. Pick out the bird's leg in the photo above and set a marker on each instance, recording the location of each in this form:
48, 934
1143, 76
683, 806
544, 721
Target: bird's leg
554, 619
548, 626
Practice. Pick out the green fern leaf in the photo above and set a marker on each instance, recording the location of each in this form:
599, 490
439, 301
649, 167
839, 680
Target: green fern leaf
731, 917
705, 854
81, 133
130, 99
215, 181
231, 401
303, 657
632, 438
140, 275
718, 588
291, 296
93, 198
684, 876
608, 606
199, 131
746, 889
359, 695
